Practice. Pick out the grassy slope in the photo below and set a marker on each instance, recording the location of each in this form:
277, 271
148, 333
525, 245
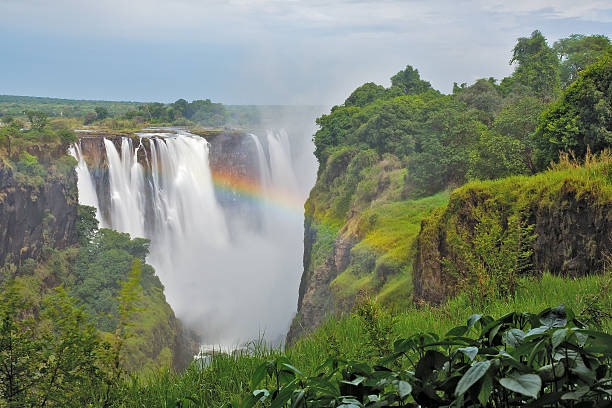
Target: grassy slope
228, 376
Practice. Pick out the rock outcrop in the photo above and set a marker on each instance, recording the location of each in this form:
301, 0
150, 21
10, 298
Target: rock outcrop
571, 216
34, 216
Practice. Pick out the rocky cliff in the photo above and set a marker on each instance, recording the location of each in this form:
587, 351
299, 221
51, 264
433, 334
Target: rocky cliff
359, 232
569, 213
32, 216
410, 251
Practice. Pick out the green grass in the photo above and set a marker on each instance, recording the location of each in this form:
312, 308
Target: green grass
388, 232
227, 377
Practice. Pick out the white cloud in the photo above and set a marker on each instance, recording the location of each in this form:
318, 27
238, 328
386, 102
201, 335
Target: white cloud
314, 50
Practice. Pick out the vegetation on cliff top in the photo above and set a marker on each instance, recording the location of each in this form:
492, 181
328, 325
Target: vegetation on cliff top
385, 149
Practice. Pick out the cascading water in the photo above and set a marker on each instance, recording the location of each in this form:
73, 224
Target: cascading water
85, 183
231, 281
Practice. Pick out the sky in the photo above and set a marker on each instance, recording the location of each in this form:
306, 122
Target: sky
267, 51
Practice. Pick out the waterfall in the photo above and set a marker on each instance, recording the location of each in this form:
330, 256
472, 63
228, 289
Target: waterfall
282, 172
126, 189
85, 183
223, 277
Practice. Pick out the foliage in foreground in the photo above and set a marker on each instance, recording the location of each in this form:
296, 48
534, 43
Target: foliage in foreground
364, 336
520, 359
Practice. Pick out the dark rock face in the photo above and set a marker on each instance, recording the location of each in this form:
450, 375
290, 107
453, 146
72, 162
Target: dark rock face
316, 299
31, 217
574, 233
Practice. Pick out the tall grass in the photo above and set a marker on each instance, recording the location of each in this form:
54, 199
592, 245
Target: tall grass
227, 376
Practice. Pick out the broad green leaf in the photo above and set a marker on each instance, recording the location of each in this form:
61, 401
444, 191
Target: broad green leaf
471, 376
551, 372
472, 321
555, 317
577, 394
538, 331
470, 352
284, 394
373, 398
293, 369
526, 384
356, 381
485, 390
404, 389
513, 337
540, 346
258, 375
558, 337
457, 331
599, 342
297, 399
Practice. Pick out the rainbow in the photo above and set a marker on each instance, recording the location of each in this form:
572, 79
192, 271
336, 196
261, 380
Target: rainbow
282, 200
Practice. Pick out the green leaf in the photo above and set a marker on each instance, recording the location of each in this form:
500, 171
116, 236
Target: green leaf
356, 381
284, 394
404, 389
526, 384
551, 372
297, 399
457, 331
558, 337
258, 375
536, 332
577, 394
535, 350
470, 352
472, 321
513, 337
471, 376
555, 317
485, 390
599, 342
293, 369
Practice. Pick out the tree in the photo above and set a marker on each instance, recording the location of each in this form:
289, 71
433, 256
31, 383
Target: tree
365, 94
517, 121
537, 66
578, 51
8, 134
409, 81
49, 356
580, 119
101, 113
497, 156
89, 118
483, 95
38, 120
67, 137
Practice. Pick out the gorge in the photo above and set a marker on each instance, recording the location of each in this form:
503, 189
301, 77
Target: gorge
224, 216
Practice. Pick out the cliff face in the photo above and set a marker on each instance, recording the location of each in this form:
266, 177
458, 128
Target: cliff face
32, 216
316, 297
570, 213
405, 251
358, 236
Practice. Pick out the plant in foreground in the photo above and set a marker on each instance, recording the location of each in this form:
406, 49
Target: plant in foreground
521, 359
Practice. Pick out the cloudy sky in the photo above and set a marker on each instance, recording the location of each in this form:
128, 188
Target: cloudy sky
266, 51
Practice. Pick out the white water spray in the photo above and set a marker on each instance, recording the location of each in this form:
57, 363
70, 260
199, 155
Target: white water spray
232, 287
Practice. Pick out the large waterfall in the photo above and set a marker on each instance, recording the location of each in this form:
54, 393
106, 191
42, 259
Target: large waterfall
227, 249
